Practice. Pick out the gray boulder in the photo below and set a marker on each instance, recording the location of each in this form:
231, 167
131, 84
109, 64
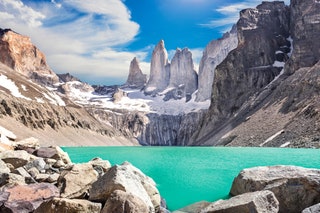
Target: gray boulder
59, 205
124, 202
76, 182
295, 188
127, 178
252, 202
312, 209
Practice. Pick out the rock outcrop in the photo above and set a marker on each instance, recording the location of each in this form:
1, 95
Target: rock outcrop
18, 53
312, 209
137, 186
49, 182
263, 32
159, 70
136, 79
260, 202
215, 52
295, 188
57, 205
182, 73
305, 31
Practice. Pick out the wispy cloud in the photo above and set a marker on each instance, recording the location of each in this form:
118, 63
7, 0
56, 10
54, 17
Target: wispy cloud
230, 13
78, 36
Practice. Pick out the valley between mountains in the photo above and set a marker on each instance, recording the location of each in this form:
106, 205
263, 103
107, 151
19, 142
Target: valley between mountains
258, 85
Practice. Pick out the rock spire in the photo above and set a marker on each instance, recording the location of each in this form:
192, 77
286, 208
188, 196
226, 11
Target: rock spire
136, 78
182, 71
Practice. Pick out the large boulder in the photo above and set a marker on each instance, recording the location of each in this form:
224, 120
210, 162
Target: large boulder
124, 202
59, 205
312, 209
53, 152
11, 179
76, 182
295, 188
252, 202
15, 158
26, 198
127, 178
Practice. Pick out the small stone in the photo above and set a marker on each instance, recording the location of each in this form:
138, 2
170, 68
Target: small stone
53, 178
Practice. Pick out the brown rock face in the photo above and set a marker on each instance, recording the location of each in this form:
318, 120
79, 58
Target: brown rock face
18, 53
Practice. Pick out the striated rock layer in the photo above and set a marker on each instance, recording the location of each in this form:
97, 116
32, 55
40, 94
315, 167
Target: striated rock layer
18, 53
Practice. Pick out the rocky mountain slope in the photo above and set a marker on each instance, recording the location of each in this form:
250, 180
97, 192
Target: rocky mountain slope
265, 93
29, 100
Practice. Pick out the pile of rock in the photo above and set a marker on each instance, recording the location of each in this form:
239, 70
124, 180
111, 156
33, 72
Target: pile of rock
284, 189
43, 179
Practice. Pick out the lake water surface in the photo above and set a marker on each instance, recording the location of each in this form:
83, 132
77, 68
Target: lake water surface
185, 175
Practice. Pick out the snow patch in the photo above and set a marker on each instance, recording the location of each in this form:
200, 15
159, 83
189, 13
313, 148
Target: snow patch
54, 98
285, 144
272, 137
11, 86
24, 87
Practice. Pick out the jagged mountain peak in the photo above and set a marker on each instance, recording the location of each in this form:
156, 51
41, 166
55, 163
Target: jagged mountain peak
136, 79
18, 53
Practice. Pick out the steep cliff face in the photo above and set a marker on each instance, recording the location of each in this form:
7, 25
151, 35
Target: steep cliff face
136, 78
182, 72
159, 70
262, 32
305, 28
258, 108
153, 129
18, 53
215, 52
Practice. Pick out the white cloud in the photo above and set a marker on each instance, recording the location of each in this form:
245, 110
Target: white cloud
231, 13
85, 44
21, 13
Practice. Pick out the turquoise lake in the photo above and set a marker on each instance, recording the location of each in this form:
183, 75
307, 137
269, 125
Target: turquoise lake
185, 175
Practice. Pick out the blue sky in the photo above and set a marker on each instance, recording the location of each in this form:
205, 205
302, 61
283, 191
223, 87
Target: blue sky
95, 40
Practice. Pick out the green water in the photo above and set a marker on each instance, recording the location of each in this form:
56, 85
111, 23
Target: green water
185, 175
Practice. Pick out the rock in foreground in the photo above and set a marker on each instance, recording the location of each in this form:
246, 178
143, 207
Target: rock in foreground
257, 202
295, 188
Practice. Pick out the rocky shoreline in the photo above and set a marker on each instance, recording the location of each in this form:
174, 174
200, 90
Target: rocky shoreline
43, 179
